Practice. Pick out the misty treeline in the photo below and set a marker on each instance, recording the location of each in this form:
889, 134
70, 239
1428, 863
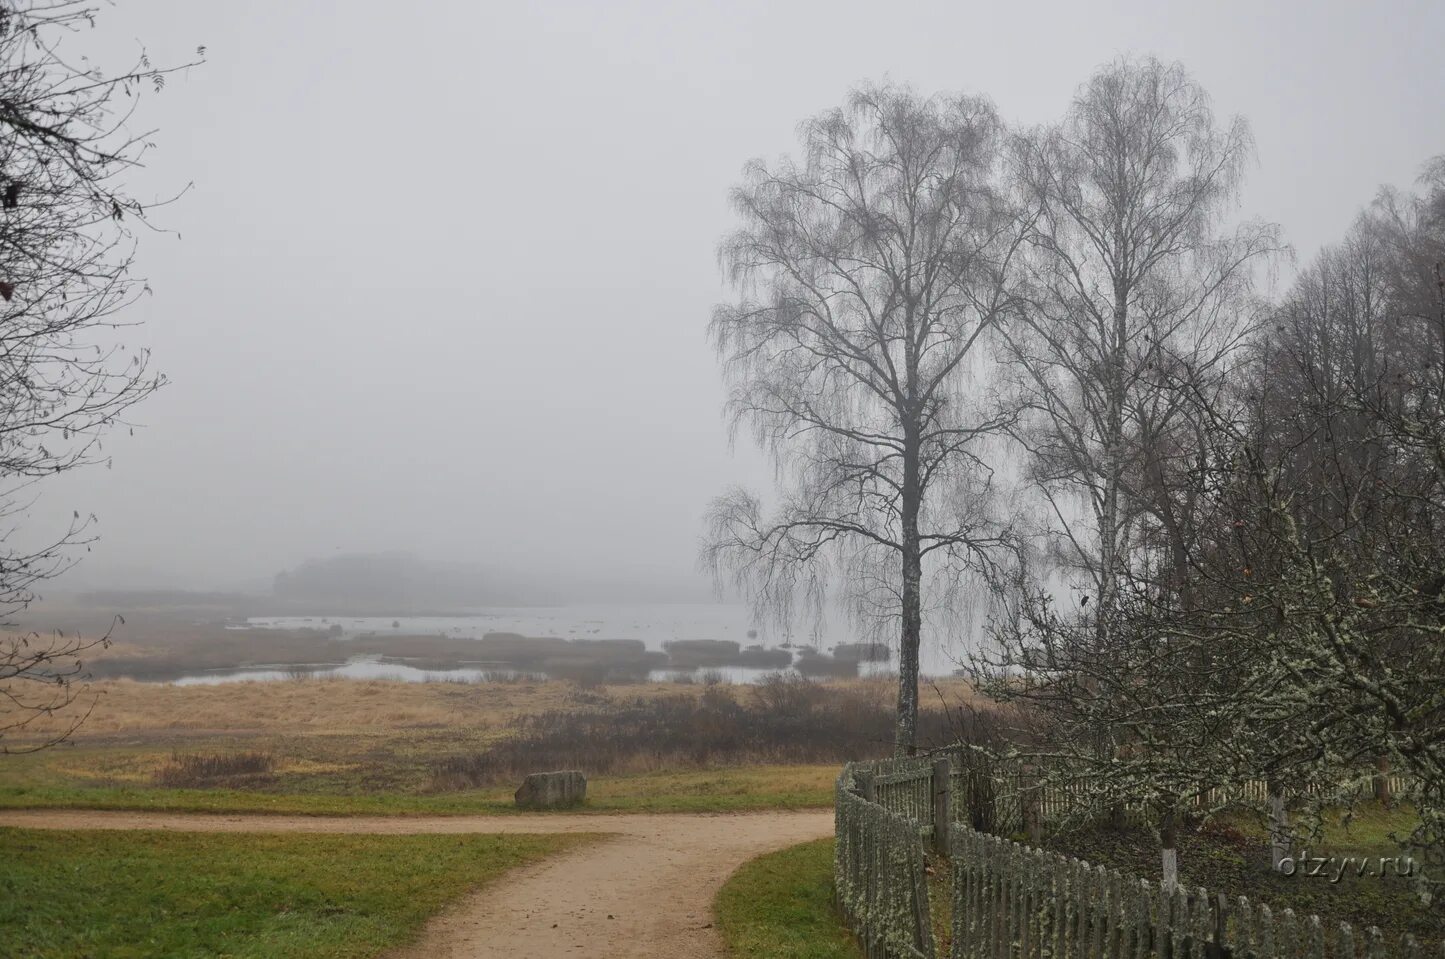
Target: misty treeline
395, 583
67, 238
1043, 372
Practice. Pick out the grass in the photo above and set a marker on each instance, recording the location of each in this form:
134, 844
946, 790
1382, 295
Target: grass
318, 707
737, 789
125, 708
347, 747
134, 894
780, 906
1232, 857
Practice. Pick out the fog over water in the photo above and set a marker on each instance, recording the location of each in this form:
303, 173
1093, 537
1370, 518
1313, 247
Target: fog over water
442, 280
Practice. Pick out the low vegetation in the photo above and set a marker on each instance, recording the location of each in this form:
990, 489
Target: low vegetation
352, 747
134, 894
780, 906
735, 789
211, 769
784, 719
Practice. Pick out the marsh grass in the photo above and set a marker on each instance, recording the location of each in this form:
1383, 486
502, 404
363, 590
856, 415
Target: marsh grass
351, 746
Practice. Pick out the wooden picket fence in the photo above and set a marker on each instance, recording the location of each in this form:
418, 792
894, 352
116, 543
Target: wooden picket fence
878, 864
1012, 901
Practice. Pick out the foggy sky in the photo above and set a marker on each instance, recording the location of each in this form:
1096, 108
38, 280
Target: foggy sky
445, 271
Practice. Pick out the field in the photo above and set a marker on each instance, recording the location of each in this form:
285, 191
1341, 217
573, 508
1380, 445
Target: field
319, 746
342, 747
402, 750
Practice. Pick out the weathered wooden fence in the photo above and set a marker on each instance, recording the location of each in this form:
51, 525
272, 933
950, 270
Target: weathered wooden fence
878, 864
1013, 901
1010, 900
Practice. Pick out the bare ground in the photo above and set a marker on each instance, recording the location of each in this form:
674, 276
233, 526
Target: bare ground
645, 891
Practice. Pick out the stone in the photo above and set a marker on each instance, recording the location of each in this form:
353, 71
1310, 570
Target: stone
557, 790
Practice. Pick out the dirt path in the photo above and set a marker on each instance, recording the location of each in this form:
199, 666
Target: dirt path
646, 891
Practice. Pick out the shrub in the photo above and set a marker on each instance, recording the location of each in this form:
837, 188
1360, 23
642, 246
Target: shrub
188, 770
783, 719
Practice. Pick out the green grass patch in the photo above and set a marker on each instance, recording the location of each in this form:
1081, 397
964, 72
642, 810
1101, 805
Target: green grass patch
737, 789
134, 894
780, 906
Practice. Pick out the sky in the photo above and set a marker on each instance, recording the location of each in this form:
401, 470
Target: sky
442, 277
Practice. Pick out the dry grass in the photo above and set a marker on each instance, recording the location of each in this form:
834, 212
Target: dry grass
313, 707
382, 744
363, 707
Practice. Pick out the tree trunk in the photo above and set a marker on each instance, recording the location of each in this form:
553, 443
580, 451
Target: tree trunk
1278, 825
1382, 782
905, 742
1106, 597
1168, 842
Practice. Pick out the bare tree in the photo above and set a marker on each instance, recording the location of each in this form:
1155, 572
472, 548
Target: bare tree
872, 273
66, 244
1334, 568
1128, 268
1135, 291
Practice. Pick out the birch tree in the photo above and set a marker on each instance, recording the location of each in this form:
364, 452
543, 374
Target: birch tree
1138, 301
871, 272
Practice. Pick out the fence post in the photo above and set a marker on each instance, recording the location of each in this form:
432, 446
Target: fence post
1030, 814
942, 803
1279, 844
922, 916
1381, 781
865, 784
1219, 908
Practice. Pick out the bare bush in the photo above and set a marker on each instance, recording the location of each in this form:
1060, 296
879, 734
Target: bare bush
199, 770
784, 719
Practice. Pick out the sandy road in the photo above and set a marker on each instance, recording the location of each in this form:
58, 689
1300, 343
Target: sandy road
646, 891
